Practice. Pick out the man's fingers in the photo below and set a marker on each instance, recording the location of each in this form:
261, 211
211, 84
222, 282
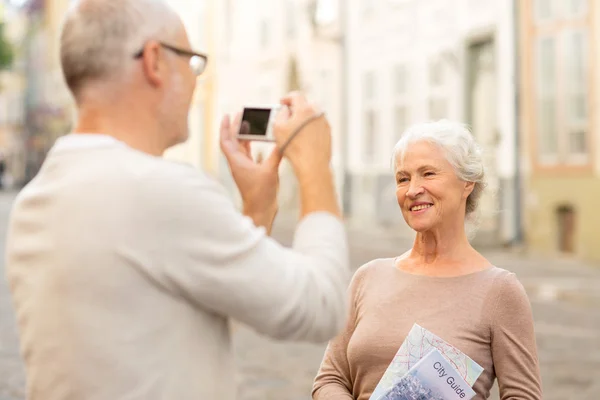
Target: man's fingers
283, 115
227, 145
294, 100
299, 107
246, 148
243, 145
237, 121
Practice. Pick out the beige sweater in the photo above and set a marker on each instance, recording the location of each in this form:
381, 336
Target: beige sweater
485, 314
124, 269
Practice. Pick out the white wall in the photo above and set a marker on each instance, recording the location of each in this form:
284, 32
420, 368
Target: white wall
383, 34
194, 16
414, 32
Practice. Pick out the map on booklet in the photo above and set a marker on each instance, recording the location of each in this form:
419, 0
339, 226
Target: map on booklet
417, 344
432, 378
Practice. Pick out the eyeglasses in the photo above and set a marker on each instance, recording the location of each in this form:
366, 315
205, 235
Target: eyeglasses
198, 61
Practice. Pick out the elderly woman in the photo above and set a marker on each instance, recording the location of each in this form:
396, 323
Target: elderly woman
442, 283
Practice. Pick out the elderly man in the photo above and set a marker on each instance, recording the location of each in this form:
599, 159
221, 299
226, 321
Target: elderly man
124, 267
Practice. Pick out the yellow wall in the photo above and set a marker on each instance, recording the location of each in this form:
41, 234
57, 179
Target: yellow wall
545, 195
197, 150
545, 188
594, 65
60, 97
209, 159
54, 14
198, 19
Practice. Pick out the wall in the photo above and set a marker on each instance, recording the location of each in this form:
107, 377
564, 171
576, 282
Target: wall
546, 195
550, 187
417, 35
196, 17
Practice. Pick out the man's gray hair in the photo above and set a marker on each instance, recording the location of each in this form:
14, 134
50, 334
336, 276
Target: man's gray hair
100, 37
460, 148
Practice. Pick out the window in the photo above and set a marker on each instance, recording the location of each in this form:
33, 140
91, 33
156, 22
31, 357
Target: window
370, 135
367, 7
546, 67
326, 12
370, 118
562, 92
369, 88
400, 120
575, 8
398, 3
576, 92
228, 22
436, 73
543, 9
400, 77
4, 110
437, 108
14, 111
438, 99
552, 10
264, 33
400, 102
290, 19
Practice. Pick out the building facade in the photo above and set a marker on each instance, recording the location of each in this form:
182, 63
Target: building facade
413, 61
48, 109
198, 18
12, 87
268, 48
561, 120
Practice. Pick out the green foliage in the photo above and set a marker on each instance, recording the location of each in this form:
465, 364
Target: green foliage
6, 50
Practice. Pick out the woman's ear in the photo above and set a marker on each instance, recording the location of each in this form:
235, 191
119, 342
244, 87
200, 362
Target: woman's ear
469, 186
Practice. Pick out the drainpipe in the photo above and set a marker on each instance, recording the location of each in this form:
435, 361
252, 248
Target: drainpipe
346, 187
342, 42
518, 239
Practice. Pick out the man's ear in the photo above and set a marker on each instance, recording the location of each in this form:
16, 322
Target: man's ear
152, 63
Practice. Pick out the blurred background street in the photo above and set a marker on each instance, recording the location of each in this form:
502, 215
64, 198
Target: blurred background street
523, 74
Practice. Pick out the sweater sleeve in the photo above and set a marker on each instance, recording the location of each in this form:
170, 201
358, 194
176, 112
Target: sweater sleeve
514, 350
334, 380
208, 253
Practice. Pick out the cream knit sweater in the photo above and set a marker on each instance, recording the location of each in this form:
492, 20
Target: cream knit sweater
124, 269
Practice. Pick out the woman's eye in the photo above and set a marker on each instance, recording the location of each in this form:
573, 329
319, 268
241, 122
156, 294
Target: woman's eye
402, 180
429, 174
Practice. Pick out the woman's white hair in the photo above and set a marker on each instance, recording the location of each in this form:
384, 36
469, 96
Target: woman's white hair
460, 148
100, 37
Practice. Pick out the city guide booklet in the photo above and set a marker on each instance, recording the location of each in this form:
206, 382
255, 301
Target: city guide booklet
422, 357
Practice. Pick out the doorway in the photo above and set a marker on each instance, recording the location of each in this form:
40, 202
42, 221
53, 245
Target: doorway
566, 228
482, 106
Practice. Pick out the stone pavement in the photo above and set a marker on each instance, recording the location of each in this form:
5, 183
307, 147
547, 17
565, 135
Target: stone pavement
565, 296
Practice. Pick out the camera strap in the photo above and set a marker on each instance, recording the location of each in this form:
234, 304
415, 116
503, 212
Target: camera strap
298, 129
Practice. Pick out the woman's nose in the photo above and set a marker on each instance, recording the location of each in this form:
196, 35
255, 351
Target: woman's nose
414, 189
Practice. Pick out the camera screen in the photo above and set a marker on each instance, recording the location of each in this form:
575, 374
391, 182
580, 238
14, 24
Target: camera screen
255, 121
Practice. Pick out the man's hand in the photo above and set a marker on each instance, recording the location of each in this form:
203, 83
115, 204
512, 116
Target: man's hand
310, 149
304, 135
258, 183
